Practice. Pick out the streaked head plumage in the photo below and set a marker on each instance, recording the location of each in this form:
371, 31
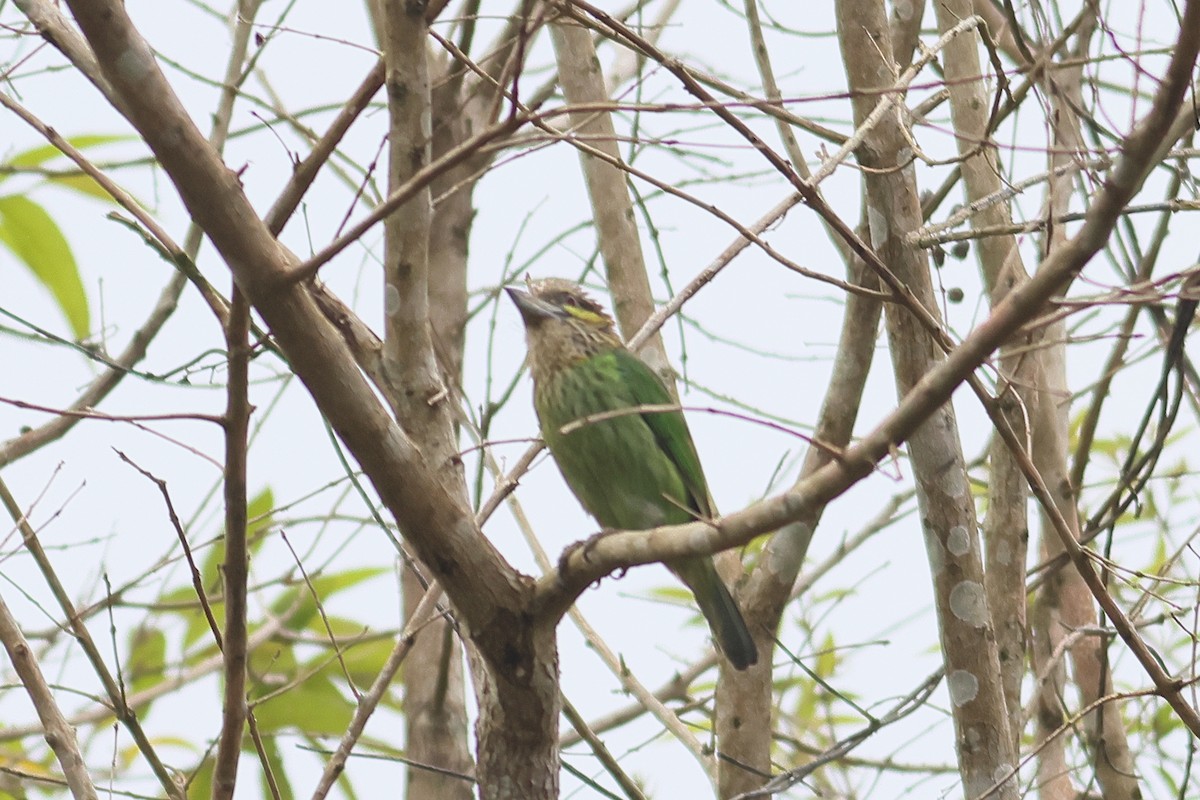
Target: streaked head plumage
560, 297
563, 324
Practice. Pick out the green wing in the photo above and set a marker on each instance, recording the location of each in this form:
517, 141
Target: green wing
637, 470
669, 428
700, 574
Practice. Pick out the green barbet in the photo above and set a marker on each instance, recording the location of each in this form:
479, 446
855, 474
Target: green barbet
630, 471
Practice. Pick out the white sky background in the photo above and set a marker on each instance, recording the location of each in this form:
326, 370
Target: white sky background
100, 516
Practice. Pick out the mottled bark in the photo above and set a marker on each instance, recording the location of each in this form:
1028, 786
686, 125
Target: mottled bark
985, 745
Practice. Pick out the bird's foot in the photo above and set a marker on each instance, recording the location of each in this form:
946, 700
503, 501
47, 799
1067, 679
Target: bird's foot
564, 561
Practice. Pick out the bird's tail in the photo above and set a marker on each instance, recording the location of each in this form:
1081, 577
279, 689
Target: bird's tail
719, 609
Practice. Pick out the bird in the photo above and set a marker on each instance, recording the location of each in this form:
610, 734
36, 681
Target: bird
630, 471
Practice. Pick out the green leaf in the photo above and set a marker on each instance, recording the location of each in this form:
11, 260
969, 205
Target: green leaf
363, 660
184, 595
271, 665
278, 768
198, 629
147, 658
48, 152
200, 787
827, 658
35, 239
1164, 722
182, 602
79, 182
83, 183
323, 586
806, 701
315, 707
363, 652
258, 512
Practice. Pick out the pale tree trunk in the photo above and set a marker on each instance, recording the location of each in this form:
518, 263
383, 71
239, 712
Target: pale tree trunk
1029, 375
1070, 603
1065, 604
1063, 589
985, 745
434, 681
1006, 527
583, 84
459, 103
771, 585
434, 700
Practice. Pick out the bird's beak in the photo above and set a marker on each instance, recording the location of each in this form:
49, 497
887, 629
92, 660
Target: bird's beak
533, 310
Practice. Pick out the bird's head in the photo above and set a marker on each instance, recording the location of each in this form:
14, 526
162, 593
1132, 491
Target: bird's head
563, 325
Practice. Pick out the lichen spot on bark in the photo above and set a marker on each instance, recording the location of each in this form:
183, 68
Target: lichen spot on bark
933, 547
698, 540
133, 65
968, 604
954, 482
1003, 553
963, 686
959, 541
878, 225
391, 300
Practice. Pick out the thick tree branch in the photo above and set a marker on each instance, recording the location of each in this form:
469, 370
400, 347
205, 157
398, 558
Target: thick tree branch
617, 550
440, 527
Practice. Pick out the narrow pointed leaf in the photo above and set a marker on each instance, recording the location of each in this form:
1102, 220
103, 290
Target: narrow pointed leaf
35, 239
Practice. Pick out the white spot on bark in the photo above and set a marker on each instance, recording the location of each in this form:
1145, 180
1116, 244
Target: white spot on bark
1003, 775
968, 604
391, 300
698, 540
786, 550
964, 687
133, 65
1003, 553
959, 541
933, 548
641, 546
954, 482
878, 225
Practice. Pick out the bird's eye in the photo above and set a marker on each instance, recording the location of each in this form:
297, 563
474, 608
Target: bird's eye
583, 303
576, 304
